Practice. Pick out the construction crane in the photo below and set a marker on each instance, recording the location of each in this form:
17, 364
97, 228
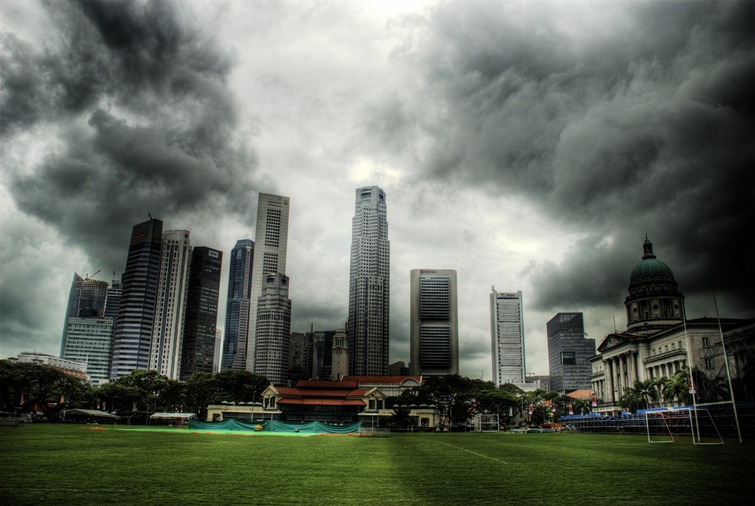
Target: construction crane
93, 275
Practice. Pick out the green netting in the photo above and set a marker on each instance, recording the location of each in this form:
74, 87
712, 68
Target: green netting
274, 426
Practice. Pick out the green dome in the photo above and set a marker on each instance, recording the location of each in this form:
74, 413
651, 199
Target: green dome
650, 268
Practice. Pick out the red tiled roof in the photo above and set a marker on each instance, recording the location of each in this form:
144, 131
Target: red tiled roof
381, 380
326, 385
288, 391
580, 394
322, 402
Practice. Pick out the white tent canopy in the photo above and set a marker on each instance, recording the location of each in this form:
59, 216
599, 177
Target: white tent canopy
172, 416
95, 413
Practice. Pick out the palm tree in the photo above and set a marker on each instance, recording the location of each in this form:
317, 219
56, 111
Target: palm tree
639, 395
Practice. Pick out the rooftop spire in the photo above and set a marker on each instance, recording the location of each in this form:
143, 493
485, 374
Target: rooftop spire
647, 248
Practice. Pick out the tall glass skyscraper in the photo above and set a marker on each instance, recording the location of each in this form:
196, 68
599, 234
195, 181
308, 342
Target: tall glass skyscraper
133, 330
270, 245
434, 317
568, 351
369, 285
198, 349
237, 306
507, 338
168, 328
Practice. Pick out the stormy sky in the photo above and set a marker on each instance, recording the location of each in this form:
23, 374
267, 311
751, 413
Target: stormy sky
528, 145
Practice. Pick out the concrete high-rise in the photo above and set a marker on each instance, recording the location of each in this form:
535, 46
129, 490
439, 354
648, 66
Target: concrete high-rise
270, 247
237, 306
85, 300
369, 285
200, 326
568, 352
88, 333
434, 320
168, 326
133, 331
507, 337
273, 330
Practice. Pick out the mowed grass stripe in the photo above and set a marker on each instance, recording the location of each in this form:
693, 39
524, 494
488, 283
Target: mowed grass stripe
69, 465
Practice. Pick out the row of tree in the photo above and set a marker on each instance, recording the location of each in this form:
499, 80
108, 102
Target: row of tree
29, 387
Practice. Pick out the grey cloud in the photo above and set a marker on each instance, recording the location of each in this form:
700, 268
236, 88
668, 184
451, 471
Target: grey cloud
628, 119
138, 99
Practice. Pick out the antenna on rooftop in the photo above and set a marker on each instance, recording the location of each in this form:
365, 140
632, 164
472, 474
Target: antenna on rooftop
150, 216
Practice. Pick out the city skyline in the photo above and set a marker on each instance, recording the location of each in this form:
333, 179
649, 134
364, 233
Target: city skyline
530, 146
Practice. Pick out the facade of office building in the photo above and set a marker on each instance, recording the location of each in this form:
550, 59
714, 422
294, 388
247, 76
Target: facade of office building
168, 328
86, 299
237, 306
133, 330
200, 326
569, 352
270, 248
273, 330
507, 338
369, 285
434, 317
90, 342
113, 299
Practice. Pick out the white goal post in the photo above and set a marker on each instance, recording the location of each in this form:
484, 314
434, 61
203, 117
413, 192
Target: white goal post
665, 425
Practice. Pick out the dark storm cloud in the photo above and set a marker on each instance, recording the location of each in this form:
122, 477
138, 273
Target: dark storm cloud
621, 120
137, 100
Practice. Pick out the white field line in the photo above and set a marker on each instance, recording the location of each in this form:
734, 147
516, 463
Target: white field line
474, 453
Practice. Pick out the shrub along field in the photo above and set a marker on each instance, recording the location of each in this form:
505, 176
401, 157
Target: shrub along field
71, 464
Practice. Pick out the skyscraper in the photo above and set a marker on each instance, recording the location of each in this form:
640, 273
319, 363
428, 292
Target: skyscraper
88, 333
133, 330
369, 285
507, 337
273, 330
85, 300
568, 351
198, 349
167, 330
434, 317
237, 306
271, 245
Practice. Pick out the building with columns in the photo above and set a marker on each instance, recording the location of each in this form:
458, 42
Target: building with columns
658, 341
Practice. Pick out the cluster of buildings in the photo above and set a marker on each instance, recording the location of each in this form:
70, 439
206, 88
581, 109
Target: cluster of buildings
162, 315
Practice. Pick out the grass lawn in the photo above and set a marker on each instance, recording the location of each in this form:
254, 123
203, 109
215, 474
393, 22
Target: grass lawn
69, 464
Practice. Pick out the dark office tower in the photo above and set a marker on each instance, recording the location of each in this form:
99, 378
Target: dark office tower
434, 320
237, 306
369, 285
198, 350
568, 352
133, 330
273, 330
113, 299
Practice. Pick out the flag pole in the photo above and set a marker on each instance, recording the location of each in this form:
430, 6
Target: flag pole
728, 373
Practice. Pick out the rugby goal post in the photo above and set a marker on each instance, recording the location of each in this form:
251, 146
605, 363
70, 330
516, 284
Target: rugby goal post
666, 425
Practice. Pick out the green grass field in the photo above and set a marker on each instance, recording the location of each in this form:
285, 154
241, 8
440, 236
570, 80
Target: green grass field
68, 464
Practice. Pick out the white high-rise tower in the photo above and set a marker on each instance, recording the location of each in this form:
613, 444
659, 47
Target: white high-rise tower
507, 337
369, 285
270, 246
170, 307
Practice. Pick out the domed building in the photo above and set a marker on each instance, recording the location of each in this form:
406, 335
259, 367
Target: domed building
657, 341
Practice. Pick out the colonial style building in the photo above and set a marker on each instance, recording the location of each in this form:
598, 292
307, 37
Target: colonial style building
658, 340
352, 399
